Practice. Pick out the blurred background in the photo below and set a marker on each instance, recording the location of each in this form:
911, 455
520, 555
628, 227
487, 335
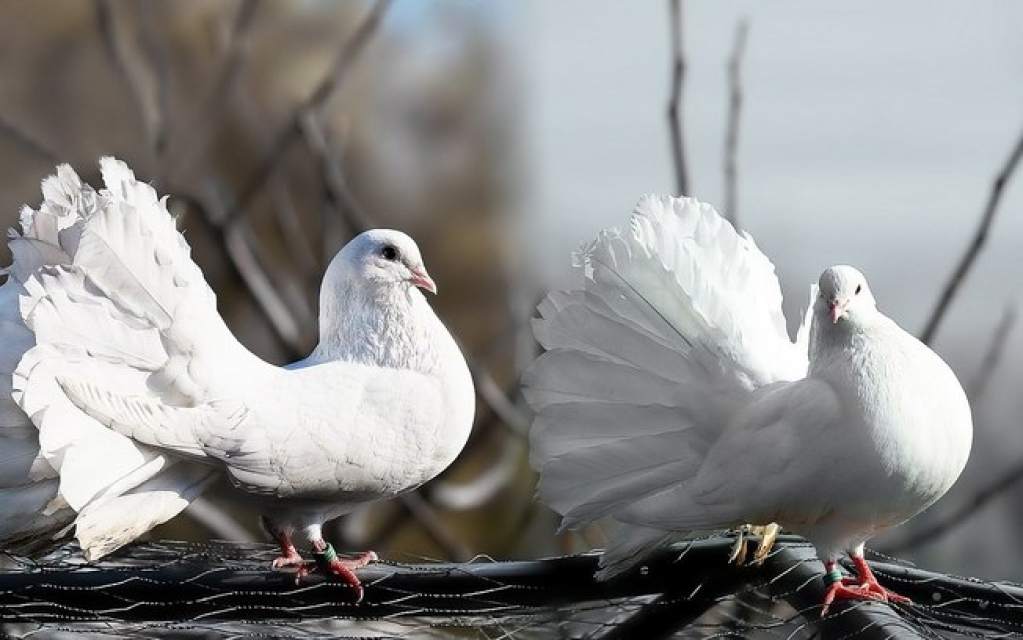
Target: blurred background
501, 135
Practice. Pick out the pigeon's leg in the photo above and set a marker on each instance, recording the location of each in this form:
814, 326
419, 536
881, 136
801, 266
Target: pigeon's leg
864, 587
289, 554
344, 568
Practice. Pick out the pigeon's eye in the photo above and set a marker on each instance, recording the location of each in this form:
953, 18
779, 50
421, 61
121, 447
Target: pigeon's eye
859, 287
389, 253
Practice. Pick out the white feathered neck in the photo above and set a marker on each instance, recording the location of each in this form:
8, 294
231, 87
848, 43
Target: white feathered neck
382, 324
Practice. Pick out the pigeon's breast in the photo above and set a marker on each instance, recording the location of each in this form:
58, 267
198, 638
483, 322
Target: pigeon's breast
916, 419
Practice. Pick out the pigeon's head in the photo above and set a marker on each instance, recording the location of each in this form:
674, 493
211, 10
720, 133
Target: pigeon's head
384, 257
843, 293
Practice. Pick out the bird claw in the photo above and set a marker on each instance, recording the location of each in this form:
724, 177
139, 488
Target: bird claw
344, 568
767, 534
866, 587
741, 546
327, 561
288, 560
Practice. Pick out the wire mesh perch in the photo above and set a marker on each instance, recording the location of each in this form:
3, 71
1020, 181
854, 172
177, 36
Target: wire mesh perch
689, 590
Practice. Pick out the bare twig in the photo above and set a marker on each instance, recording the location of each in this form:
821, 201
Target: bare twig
426, 516
344, 60
218, 521
978, 241
959, 516
239, 241
514, 417
464, 496
992, 356
131, 66
732, 131
292, 233
675, 102
157, 55
211, 107
348, 208
28, 141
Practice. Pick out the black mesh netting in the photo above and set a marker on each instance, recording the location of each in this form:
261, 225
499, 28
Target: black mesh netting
688, 591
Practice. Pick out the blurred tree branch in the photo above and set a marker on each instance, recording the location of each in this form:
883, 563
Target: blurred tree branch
992, 356
139, 63
732, 132
347, 56
959, 516
202, 123
333, 175
675, 102
28, 141
980, 236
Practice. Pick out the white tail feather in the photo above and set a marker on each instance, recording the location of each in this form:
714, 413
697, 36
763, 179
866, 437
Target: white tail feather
102, 278
678, 323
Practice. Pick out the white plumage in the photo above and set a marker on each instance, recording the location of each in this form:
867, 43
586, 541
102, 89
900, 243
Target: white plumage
671, 398
139, 394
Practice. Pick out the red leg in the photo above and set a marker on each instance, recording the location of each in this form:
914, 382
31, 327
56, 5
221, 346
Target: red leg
343, 568
289, 554
864, 587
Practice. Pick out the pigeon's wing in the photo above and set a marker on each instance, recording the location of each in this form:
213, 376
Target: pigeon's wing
318, 432
756, 471
364, 431
759, 470
678, 323
108, 289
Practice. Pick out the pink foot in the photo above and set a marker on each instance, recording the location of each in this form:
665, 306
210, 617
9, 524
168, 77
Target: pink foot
866, 587
343, 568
289, 557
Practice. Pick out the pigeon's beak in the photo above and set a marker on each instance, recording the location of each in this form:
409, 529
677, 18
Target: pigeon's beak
837, 308
423, 280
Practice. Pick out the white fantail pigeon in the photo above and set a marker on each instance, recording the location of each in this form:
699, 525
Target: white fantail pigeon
671, 399
130, 393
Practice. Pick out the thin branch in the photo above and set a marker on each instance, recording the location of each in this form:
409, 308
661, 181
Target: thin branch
974, 248
28, 141
992, 356
334, 79
463, 496
218, 520
959, 516
425, 515
732, 131
333, 175
241, 246
211, 107
157, 55
131, 67
675, 102
292, 233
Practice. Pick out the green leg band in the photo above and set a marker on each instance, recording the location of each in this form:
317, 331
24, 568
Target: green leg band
833, 576
326, 556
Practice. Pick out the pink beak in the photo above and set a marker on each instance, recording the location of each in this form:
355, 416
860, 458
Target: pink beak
837, 308
423, 280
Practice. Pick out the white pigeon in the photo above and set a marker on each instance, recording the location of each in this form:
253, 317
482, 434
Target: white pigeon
671, 399
139, 394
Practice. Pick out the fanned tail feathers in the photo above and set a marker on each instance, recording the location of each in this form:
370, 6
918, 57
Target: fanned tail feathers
678, 321
99, 282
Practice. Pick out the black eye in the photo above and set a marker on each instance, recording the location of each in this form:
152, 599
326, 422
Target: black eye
389, 253
858, 288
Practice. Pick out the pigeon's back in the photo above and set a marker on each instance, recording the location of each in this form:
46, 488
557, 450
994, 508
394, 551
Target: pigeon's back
678, 323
